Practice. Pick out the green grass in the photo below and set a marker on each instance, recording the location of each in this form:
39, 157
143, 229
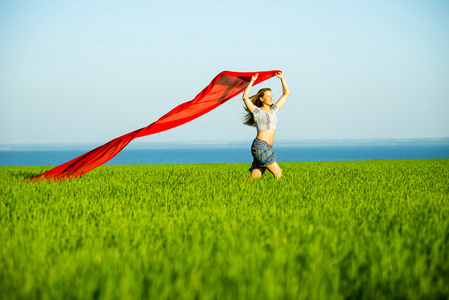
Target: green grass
326, 230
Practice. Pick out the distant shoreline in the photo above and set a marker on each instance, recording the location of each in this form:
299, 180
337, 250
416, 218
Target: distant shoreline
213, 144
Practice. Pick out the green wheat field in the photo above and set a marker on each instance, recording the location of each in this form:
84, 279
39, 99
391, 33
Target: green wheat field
327, 230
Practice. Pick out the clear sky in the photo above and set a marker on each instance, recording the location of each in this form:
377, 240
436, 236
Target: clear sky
89, 71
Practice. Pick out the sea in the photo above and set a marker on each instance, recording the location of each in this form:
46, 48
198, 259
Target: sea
231, 152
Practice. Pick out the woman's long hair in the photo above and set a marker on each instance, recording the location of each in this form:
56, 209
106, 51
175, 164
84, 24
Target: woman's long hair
248, 118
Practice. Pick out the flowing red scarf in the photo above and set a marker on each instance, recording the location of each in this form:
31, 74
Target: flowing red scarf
222, 88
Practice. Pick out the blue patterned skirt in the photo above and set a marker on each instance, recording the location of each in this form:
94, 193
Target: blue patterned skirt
263, 154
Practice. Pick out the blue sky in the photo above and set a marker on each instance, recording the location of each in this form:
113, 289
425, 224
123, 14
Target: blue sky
89, 71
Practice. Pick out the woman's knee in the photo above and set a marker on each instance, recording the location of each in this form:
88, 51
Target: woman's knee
256, 173
279, 173
275, 169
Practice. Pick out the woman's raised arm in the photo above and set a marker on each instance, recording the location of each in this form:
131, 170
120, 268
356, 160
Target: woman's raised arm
285, 91
248, 102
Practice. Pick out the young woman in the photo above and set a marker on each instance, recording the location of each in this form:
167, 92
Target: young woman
262, 114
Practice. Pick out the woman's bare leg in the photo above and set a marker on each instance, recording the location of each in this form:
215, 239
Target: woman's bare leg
256, 173
275, 169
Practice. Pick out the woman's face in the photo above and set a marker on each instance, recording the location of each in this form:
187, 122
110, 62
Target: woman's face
267, 98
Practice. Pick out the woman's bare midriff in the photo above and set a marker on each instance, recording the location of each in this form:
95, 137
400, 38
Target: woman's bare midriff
267, 135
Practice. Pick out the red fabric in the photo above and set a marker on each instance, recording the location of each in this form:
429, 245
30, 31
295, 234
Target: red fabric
222, 88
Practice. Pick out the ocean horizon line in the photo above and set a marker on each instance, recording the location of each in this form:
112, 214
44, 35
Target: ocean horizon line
224, 143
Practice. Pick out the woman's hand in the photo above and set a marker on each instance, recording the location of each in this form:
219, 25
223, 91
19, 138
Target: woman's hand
280, 75
254, 77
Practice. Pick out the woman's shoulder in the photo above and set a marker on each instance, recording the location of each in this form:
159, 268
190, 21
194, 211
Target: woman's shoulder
256, 110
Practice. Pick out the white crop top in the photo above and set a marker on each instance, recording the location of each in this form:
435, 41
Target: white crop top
264, 120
